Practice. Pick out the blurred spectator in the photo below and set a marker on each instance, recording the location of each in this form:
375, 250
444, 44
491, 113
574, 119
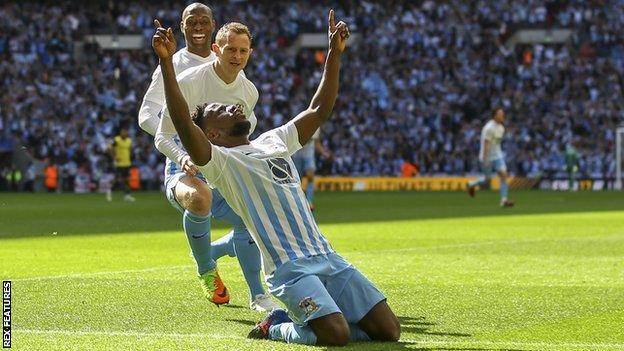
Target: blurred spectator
422, 78
409, 169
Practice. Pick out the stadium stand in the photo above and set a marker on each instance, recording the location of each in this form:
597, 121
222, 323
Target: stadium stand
418, 86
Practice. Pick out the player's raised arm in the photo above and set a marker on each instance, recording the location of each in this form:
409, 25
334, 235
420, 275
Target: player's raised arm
322, 104
192, 137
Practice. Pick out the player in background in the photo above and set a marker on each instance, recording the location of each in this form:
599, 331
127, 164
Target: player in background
491, 157
329, 300
122, 154
305, 163
572, 160
190, 194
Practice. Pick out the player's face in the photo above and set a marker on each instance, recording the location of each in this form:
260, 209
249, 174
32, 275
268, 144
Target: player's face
234, 52
225, 121
499, 116
197, 27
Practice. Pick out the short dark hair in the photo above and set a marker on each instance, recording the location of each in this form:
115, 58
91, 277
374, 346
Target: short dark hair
495, 109
194, 6
199, 116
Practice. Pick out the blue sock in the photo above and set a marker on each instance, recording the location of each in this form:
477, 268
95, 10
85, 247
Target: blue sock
223, 246
504, 189
249, 260
310, 191
357, 334
197, 229
242, 246
292, 333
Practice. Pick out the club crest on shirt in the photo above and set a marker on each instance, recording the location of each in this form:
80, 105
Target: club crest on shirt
280, 168
308, 306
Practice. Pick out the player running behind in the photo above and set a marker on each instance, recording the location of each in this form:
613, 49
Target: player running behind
491, 157
329, 300
186, 189
305, 162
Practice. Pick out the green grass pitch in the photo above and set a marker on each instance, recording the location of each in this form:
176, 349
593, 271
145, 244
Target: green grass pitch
461, 273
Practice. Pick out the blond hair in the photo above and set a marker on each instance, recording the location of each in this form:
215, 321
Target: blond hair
235, 27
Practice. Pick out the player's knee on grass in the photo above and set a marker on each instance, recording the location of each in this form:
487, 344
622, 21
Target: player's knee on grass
381, 324
196, 196
331, 330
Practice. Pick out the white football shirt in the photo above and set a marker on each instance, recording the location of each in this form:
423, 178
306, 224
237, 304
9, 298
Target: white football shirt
199, 85
494, 132
154, 99
260, 183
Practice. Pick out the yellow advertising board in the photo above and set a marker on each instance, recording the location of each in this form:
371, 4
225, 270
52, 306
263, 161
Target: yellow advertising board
397, 183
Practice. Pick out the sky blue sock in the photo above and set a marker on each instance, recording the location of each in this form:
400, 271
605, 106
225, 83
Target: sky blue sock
357, 334
223, 246
197, 229
249, 259
310, 191
504, 189
292, 333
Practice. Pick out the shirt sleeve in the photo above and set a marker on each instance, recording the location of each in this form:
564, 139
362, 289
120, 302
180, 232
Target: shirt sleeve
289, 135
316, 134
214, 169
156, 90
489, 133
149, 116
252, 105
254, 122
152, 103
166, 132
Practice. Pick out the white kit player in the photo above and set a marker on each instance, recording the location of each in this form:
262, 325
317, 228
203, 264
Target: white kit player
218, 77
491, 157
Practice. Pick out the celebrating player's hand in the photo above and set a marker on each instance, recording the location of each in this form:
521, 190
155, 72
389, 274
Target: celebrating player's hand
338, 33
163, 41
188, 166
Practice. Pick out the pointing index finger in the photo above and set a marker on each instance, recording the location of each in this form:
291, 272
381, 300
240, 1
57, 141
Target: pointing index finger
332, 24
157, 23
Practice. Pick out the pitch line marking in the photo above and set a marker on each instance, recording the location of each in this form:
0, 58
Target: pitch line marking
419, 248
537, 344
485, 243
451, 246
165, 268
131, 333
80, 275
237, 337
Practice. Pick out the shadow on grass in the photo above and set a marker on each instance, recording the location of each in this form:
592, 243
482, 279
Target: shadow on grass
244, 321
28, 214
420, 326
414, 325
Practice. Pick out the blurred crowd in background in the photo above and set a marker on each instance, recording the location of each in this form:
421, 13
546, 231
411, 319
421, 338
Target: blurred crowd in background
417, 87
